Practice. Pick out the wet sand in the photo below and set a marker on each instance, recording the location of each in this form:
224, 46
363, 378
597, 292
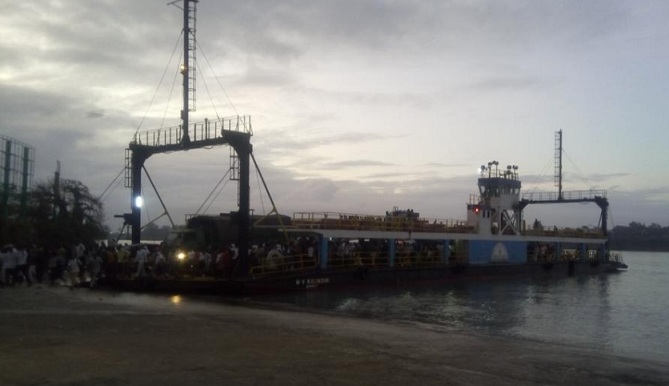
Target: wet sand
57, 336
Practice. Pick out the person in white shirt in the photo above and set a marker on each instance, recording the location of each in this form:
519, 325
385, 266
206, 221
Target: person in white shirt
95, 268
9, 265
73, 271
22, 266
160, 264
141, 257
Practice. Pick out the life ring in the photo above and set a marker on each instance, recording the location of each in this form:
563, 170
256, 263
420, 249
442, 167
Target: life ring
274, 258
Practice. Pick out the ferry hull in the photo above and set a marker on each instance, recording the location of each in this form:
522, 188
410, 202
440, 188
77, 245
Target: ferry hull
408, 276
361, 277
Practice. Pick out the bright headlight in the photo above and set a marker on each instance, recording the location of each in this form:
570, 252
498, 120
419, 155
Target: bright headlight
181, 255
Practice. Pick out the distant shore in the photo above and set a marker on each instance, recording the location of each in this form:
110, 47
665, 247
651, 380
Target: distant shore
53, 335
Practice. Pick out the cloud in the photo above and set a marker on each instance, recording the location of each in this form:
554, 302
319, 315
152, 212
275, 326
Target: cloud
505, 84
360, 163
357, 105
95, 114
443, 165
297, 142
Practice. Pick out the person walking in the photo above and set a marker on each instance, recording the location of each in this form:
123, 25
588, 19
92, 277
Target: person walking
22, 266
9, 265
73, 270
95, 267
141, 257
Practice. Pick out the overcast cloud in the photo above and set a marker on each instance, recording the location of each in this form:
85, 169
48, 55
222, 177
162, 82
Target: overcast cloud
357, 105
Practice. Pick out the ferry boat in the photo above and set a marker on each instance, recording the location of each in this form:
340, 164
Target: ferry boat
400, 246
328, 249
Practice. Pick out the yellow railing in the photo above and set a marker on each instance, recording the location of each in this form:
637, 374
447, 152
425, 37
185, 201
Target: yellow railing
379, 260
564, 232
419, 259
282, 264
359, 259
333, 220
297, 263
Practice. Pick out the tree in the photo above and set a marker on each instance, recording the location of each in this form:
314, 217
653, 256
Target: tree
65, 212
639, 237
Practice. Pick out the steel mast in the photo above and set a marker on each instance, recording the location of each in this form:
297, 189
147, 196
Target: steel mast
558, 163
188, 66
596, 196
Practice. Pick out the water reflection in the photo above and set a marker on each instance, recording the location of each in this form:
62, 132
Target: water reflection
624, 313
495, 305
576, 311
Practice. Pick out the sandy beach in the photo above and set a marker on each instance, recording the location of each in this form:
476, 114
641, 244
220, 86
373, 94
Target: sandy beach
58, 336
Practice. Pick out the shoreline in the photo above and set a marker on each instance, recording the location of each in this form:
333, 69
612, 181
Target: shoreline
54, 335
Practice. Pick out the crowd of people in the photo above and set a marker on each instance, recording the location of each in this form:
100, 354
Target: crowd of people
26, 265
78, 265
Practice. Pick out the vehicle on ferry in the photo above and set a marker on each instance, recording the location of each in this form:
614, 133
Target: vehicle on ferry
217, 231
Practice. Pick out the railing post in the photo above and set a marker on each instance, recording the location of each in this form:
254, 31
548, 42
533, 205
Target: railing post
391, 252
324, 249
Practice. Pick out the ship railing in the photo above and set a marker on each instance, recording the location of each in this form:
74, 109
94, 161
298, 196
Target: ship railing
290, 264
349, 221
381, 260
568, 195
550, 255
374, 259
554, 231
283, 264
198, 131
419, 259
574, 254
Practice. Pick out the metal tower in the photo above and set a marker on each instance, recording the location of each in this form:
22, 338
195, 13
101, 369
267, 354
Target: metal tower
558, 162
189, 65
234, 131
17, 161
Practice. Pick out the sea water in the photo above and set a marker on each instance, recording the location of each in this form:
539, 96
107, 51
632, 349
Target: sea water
624, 313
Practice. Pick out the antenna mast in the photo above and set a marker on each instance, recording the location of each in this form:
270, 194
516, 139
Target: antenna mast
188, 66
558, 163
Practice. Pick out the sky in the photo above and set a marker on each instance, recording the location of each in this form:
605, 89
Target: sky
357, 106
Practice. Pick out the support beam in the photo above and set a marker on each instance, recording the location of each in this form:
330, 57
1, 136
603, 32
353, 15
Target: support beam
138, 158
242, 145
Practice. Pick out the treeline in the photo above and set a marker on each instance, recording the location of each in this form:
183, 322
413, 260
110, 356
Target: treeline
56, 212
639, 237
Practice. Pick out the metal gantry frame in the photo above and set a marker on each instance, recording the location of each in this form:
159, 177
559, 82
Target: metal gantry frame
596, 196
240, 141
233, 131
